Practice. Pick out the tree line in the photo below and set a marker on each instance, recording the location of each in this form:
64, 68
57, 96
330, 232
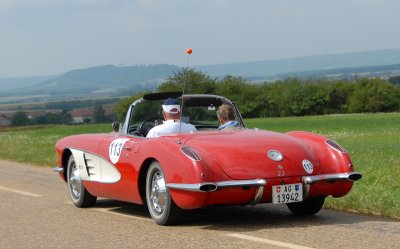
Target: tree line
281, 98
21, 118
286, 97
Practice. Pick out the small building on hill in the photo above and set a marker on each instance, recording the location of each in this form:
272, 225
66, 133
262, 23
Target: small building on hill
87, 115
80, 116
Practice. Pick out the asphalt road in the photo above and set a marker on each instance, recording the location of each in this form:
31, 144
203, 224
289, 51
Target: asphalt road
35, 212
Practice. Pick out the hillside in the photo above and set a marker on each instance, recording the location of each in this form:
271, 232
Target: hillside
384, 71
101, 80
19, 82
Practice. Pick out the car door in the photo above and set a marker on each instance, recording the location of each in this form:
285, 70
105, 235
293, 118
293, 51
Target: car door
120, 150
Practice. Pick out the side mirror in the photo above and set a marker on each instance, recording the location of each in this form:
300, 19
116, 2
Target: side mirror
115, 126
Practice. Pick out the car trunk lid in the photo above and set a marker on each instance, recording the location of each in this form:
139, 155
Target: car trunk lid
243, 154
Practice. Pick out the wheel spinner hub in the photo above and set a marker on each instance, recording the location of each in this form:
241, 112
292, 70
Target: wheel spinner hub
75, 182
158, 192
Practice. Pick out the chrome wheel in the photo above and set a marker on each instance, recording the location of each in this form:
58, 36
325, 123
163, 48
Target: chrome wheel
75, 183
77, 191
161, 207
158, 193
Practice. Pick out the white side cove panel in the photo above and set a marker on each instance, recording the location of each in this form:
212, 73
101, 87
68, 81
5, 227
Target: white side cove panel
95, 168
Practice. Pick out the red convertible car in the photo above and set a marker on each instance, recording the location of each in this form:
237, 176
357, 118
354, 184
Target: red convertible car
207, 167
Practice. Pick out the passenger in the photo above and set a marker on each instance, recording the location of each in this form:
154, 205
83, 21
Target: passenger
226, 118
172, 115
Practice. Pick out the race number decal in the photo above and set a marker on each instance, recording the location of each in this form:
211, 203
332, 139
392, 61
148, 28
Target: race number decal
115, 149
308, 166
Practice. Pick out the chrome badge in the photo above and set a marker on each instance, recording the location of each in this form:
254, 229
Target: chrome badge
308, 167
281, 172
275, 155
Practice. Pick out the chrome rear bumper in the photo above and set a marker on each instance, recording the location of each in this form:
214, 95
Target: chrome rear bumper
350, 176
212, 186
309, 180
260, 184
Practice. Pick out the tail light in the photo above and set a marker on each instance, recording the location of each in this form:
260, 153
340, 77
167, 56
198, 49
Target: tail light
335, 146
190, 153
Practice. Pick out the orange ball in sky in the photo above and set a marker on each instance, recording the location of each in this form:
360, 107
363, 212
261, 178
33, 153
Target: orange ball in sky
189, 51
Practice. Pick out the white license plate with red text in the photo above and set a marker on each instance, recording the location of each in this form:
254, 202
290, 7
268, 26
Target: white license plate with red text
287, 193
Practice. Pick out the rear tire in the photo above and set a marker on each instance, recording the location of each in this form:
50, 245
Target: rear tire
162, 208
309, 206
78, 193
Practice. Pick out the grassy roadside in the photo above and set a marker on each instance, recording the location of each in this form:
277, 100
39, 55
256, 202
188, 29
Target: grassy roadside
372, 140
35, 144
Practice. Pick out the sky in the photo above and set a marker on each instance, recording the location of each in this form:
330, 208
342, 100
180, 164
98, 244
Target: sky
46, 37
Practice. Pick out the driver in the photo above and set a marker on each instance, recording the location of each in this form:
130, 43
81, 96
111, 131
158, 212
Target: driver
172, 115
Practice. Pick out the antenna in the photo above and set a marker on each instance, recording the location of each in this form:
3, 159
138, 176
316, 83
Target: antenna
188, 52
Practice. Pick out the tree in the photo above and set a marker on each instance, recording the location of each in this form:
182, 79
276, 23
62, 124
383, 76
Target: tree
122, 107
66, 117
395, 80
190, 81
287, 97
99, 114
87, 120
374, 95
20, 118
339, 93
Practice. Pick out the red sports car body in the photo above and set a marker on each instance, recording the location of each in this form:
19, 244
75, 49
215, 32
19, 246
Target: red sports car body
207, 167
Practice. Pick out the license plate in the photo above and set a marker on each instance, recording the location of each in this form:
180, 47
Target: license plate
287, 193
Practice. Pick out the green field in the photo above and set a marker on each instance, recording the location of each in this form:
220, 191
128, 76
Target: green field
373, 141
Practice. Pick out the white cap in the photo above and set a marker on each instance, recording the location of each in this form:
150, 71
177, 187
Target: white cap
172, 109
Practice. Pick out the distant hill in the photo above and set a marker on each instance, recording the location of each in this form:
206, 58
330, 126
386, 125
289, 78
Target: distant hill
272, 68
384, 71
101, 80
19, 82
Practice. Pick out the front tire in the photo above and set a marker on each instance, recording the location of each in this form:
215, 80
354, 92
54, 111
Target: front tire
162, 208
78, 193
309, 206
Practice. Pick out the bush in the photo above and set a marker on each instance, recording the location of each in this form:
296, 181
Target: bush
287, 97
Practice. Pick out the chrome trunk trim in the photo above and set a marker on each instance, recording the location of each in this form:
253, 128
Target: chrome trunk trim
242, 183
58, 169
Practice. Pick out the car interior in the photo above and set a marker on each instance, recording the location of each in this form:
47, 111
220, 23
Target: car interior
200, 111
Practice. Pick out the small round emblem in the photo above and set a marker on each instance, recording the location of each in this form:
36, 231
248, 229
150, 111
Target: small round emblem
275, 155
308, 167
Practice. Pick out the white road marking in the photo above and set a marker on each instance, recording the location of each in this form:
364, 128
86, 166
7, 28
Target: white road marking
110, 211
267, 241
20, 192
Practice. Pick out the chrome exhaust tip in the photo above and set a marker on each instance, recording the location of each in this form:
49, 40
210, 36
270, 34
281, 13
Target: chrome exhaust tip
354, 177
208, 187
